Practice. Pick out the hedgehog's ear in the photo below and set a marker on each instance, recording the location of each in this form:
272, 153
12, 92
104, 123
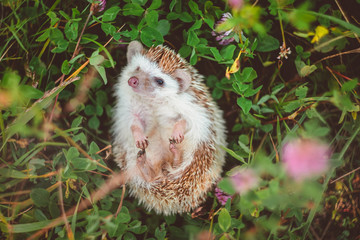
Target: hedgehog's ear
183, 77
133, 48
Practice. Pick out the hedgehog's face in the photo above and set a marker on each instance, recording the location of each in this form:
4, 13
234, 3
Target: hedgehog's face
148, 80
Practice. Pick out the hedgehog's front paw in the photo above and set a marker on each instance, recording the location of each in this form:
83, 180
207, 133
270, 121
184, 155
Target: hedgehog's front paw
176, 138
142, 142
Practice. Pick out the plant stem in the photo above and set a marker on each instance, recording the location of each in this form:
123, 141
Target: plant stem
2, 128
81, 34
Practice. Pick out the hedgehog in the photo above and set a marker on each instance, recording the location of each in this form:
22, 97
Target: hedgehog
168, 133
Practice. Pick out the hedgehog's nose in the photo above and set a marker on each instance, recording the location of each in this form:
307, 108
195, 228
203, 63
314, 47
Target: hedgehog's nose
133, 82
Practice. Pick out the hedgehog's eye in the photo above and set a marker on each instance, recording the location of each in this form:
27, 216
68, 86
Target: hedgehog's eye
159, 81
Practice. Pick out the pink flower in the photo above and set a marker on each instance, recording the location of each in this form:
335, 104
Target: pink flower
102, 5
244, 180
224, 37
236, 4
221, 196
99, 6
305, 158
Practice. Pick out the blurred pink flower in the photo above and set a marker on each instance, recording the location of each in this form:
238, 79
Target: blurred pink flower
244, 180
224, 37
236, 4
221, 196
305, 158
99, 6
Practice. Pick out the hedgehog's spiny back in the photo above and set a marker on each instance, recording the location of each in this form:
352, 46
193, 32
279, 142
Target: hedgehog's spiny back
166, 59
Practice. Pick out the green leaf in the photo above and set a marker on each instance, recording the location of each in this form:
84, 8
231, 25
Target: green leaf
101, 98
30, 92
72, 153
226, 185
11, 173
102, 73
76, 58
155, 4
248, 74
193, 57
90, 110
83, 164
71, 30
303, 69
61, 46
94, 123
234, 155
267, 43
96, 58
140, 2
224, 220
163, 27
210, 22
172, 16
301, 92
194, 8
245, 104
76, 122
291, 106
216, 53
129, 236
185, 51
349, 85
44, 36
151, 18
217, 93
108, 28
192, 39
186, 17
53, 18
150, 36
99, 110
56, 35
172, 5
267, 128
66, 67
93, 148
196, 25
110, 14
40, 197
228, 52
123, 217
160, 232
251, 92
103, 49
64, 14
133, 9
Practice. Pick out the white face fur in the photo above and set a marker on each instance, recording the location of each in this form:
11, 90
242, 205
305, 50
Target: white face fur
148, 80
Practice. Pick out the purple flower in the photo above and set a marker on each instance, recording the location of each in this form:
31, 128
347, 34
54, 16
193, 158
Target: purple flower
102, 5
98, 6
221, 196
244, 180
305, 158
224, 37
236, 4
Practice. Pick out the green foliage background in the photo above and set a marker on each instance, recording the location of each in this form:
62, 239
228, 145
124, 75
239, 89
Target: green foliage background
59, 61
